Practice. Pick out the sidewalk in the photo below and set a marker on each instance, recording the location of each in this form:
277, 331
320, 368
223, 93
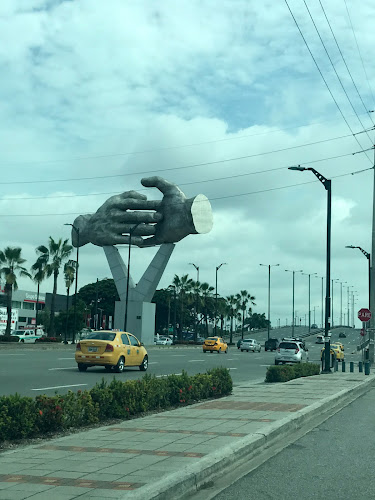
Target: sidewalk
169, 454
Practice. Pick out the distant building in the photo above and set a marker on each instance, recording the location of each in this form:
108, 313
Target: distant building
25, 302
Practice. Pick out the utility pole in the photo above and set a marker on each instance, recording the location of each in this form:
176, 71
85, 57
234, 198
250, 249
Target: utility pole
372, 278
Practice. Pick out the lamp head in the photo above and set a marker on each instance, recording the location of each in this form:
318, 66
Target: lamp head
297, 167
350, 246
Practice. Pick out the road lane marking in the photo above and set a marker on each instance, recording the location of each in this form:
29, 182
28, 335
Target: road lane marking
153, 363
178, 355
230, 359
69, 368
60, 359
57, 387
158, 376
232, 368
18, 354
196, 360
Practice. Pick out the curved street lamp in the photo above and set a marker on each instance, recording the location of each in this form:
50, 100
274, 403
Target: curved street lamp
217, 268
294, 272
327, 186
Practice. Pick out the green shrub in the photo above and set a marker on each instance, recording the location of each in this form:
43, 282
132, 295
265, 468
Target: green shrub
283, 373
9, 338
46, 340
23, 417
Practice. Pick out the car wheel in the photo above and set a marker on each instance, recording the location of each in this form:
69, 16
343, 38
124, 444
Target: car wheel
22, 340
226, 350
266, 349
119, 368
143, 367
108, 368
241, 350
204, 352
82, 367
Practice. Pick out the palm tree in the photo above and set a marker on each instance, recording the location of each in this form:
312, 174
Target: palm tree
11, 265
53, 256
38, 271
232, 311
244, 297
69, 275
207, 301
182, 286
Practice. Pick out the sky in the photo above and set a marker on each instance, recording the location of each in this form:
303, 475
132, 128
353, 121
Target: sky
220, 99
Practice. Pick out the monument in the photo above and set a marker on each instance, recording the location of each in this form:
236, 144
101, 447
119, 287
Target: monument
131, 219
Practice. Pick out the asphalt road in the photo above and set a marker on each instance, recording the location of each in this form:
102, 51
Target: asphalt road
335, 461
32, 372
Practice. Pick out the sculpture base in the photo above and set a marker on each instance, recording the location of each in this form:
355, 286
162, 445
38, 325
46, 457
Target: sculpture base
141, 319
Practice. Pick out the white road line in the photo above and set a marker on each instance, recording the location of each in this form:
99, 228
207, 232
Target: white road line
158, 376
232, 368
178, 355
265, 365
71, 359
230, 359
196, 360
12, 354
58, 387
69, 368
154, 363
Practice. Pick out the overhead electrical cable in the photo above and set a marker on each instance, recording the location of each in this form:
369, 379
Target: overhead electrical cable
321, 74
215, 162
343, 58
334, 69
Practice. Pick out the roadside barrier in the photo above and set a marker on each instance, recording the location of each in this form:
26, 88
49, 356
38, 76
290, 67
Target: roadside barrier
351, 367
367, 368
360, 366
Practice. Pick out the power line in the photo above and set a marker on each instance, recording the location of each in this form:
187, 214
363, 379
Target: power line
113, 155
44, 181
229, 177
211, 199
333, 66
343, 58
359, 52
321, 74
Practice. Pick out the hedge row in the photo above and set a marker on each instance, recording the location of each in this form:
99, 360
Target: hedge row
9, 338
283, 373
24, 417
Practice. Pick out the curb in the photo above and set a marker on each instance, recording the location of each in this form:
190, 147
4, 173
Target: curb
193, 478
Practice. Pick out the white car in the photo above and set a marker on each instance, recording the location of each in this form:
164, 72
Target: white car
250, 345
291, 351
164, 341
28, 336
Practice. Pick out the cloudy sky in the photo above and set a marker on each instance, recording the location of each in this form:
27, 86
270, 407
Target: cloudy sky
218, 98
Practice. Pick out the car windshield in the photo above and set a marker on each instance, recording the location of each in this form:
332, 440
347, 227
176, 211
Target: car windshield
288, 345
18, 332
102, 336
249, 340
211, 338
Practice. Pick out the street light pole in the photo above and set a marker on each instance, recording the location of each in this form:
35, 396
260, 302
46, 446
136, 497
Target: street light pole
327, 186
293, 320
217, 268
269, 295
76, 229
309, 309
127, 281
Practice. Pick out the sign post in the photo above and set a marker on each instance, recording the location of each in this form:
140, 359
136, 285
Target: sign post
364, 315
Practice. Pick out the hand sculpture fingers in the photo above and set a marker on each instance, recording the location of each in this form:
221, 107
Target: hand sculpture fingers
141, 230
134, 217
166, 187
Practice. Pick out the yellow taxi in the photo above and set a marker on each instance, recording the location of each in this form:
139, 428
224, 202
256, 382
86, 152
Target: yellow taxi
215, 344
111, 349
336, 348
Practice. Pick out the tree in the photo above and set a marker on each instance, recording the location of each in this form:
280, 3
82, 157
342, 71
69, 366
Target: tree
11, 265
244, 297
69, 275
207, 300
101, 294
53, 257
182, 285
232, 304
38, 271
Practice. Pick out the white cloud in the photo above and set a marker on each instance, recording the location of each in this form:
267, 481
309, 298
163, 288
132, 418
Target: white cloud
97, 80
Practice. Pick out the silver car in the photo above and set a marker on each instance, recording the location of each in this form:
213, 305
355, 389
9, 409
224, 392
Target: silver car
250, 345
291, 352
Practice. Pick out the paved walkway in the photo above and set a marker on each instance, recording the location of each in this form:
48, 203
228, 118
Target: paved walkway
146, 457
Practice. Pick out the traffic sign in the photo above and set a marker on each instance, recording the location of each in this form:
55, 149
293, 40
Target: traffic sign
364, 314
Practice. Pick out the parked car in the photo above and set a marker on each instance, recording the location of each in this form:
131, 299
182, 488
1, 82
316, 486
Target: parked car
337, 348
320, 339
250, 345
342, 335
291, 352
271, 344
28, 336
111, 349
164, 341
217, 344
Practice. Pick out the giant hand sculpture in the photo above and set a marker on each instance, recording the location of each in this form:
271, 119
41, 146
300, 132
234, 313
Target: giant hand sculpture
166, 221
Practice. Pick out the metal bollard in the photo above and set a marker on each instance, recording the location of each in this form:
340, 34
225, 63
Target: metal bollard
343, 365
336, 365
367, 368
360, 366
351, 367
